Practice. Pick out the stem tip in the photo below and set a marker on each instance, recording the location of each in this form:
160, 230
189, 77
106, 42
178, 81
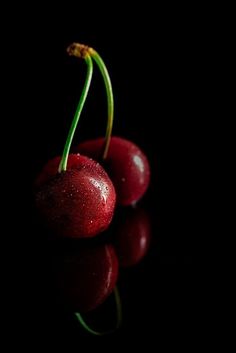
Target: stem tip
78, 50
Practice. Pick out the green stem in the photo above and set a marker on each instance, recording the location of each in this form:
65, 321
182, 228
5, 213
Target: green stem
118, 322
64, 159
110, 100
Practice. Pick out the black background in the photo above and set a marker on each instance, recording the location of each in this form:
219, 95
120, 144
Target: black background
160, 67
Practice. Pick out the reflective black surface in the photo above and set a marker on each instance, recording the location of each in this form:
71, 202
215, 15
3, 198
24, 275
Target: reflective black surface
157, 107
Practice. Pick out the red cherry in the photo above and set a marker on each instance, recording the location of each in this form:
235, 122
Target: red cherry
87, 277
78, 202
126, 165
132, 238
51, 168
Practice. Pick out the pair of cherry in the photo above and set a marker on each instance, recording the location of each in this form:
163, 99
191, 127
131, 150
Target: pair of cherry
77, 193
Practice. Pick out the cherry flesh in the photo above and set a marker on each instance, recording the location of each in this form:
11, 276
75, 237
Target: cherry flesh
87, 277
126, 165
78, 202
132, 237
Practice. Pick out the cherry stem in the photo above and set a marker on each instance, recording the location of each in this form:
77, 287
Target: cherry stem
64, 159
118, 321
110, 100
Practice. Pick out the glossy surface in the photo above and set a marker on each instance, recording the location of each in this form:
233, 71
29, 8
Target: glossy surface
87, 277
132, 237
77, 203
50, 169
126, 165
162, 103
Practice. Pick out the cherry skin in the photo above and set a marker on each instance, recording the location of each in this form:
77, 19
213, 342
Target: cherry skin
87, 277
78, 202
132, 237
126, 165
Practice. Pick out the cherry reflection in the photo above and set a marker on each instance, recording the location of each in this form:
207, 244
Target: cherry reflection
87, 276
132, 236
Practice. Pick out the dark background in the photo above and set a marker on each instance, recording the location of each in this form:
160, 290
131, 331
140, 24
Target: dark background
161, 70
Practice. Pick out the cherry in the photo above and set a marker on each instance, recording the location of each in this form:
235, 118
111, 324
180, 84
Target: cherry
126, 165
132, 237
50, 169
75, 197
87, 277
78, 202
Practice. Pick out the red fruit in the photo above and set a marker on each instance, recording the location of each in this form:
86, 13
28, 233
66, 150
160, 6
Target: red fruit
126, 165
77, 203
51, 168
87, 278
132, 237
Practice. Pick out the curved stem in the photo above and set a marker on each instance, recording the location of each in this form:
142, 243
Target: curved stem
118, 322
110, 100
63, 163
